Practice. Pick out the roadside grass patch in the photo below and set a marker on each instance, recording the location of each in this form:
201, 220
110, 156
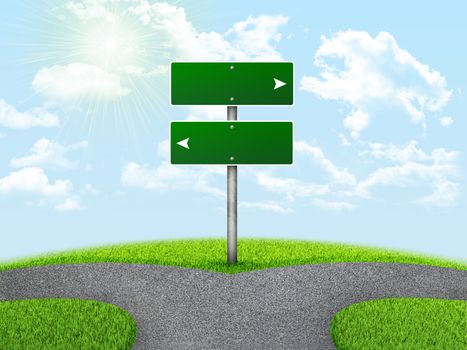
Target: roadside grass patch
210, 254
64, 324
402, 323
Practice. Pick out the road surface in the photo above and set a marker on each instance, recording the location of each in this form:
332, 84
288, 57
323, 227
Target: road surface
279, 308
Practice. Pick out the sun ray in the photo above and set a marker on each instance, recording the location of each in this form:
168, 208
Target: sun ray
117, 43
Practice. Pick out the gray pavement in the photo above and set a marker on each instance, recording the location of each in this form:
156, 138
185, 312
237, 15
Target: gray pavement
280, 308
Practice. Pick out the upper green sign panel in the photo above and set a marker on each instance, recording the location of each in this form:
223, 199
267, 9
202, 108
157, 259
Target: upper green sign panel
232, 83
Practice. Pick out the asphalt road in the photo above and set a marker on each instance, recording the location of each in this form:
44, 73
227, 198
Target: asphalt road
281, 308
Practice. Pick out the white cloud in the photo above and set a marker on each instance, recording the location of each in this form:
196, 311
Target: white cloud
337, 175
332, 205
408, 167
356, 121
88, 188
48, 153
69, 204
34, 181
161, 178
445, 194
396, 153
292, 188
163, 149
446, 121
409, 153
167, 177
78, 81
252, 39
257, 36
375, 71
133, 70
158, 70
12, 118
414, 167
344, 141
90, 9
77, 146
88, 167
267, 206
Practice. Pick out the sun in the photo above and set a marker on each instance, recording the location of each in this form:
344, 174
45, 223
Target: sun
112, 46
107, 47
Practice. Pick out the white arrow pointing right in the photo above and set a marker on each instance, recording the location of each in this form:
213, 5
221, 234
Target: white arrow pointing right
184, 143
278, 84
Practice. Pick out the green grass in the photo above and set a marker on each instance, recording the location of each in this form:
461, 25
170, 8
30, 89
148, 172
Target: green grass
253, 254
64, 324
405, 323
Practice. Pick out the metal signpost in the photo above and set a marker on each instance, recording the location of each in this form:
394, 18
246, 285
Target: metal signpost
231, 142
232, 199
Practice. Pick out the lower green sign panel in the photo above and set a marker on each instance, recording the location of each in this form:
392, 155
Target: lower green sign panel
231, 142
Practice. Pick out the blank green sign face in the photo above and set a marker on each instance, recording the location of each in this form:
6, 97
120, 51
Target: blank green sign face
232, 83
231, 142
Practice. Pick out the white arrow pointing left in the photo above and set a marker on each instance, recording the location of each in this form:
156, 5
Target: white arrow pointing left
278, 84
184, 143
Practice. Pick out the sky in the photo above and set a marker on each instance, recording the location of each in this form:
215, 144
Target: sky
379, 118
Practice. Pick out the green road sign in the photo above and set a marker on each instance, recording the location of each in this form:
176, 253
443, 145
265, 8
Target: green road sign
232, 83
231, 143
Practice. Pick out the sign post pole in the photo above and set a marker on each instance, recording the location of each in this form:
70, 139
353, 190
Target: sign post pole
232, 201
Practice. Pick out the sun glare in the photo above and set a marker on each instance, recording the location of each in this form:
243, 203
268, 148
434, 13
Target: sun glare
128, 56
111, 46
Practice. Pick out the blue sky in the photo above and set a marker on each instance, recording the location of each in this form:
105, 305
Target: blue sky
379, 123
